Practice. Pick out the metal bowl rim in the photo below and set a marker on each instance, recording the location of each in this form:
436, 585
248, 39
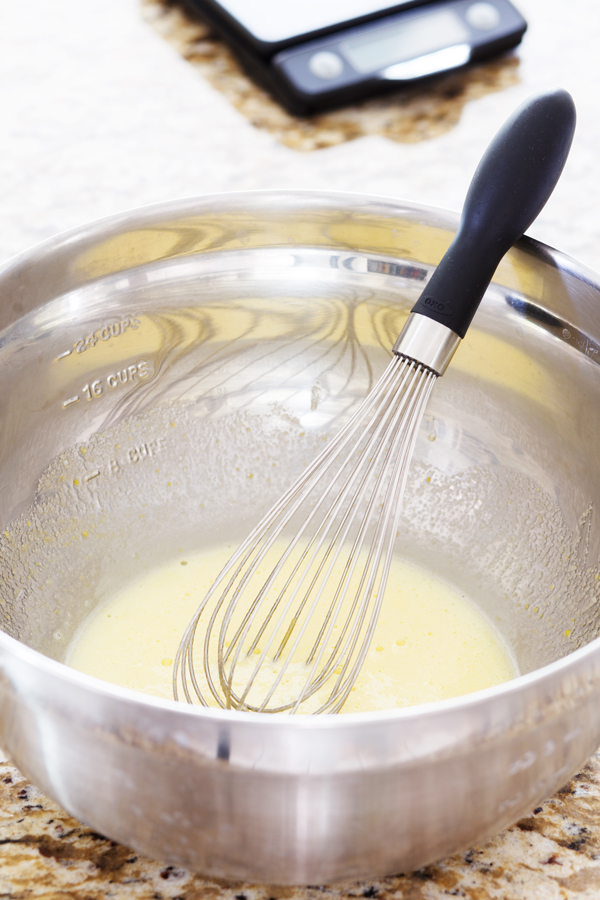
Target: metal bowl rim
331, 199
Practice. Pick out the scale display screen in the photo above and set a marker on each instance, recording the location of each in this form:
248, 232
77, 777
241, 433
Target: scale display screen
315, 54
281, 20
392, 44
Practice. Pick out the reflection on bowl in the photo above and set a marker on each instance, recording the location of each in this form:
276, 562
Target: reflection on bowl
151, 364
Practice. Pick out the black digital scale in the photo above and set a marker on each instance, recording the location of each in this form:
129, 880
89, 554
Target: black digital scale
314, 54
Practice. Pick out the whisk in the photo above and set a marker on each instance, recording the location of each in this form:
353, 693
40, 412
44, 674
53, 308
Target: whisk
288, 622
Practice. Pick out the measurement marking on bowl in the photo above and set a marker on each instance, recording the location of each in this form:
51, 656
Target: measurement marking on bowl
524, 762
145, 449
510, 802
107, 331
104, 332
141, 451
129, 375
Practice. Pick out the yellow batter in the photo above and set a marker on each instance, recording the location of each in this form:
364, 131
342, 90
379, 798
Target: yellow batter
430, 642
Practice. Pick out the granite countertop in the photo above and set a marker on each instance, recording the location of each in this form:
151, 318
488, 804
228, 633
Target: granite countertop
112, 104
553, 853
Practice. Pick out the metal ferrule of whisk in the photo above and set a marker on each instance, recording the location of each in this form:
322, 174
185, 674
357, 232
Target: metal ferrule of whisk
287, 625
425, 341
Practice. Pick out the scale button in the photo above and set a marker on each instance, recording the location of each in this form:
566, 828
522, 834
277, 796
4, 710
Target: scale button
483, 16
326, 65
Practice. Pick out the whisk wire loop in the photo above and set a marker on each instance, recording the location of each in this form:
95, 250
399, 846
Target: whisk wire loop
370, 457
344, 489
387, 528
184, 659
387, 531
355, 616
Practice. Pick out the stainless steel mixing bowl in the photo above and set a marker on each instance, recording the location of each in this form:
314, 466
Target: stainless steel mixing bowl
165, 373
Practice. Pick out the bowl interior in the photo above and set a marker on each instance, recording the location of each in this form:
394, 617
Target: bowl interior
161, 403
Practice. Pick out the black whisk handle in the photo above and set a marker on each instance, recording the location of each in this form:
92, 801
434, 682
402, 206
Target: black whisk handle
512, 183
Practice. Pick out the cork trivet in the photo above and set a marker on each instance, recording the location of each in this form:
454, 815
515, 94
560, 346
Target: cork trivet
410, 115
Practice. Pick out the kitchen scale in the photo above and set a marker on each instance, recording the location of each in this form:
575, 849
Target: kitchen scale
314, 54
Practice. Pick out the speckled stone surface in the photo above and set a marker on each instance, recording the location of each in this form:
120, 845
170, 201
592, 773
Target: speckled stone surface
554, 853
108, 105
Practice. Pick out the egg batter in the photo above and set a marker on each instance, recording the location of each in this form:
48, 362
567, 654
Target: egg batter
430, 643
